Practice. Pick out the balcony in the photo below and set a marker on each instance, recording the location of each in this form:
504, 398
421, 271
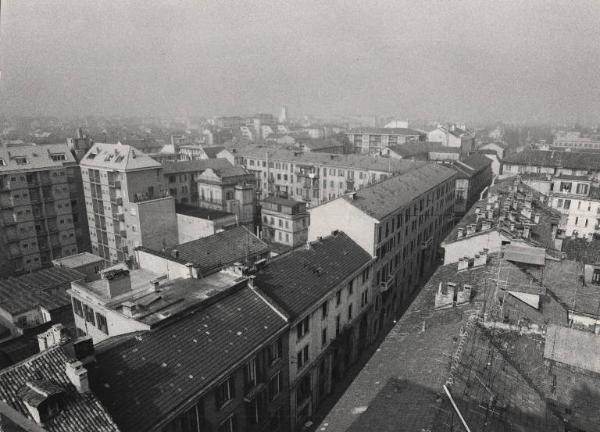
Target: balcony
116, 200
386, 284
115, 184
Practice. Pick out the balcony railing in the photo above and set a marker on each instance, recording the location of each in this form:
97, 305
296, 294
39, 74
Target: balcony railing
386, 284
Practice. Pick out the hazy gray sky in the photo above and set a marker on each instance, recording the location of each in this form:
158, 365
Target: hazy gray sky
464, 59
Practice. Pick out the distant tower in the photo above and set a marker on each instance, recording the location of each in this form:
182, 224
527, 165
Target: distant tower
283, 115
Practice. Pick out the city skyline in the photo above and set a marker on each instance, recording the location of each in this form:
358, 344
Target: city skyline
517, 62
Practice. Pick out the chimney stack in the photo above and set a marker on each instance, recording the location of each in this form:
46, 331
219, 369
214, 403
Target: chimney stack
460, 232
116, 280
463, 263
463, 294
480, 259
251, 281
536, 218
55, 335
78, 375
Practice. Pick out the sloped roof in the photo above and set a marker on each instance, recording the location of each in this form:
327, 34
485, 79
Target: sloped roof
214, 252
415, 148
80, 411
118, 157
27, 292
199, 165
477, 161
573, 160
386, 131
381, 199
37, 157
348, 161
143, 378
212, 152
299, 279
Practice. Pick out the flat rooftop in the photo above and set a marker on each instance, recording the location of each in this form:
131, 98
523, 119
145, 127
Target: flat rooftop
200, 212
77, 260
153, 305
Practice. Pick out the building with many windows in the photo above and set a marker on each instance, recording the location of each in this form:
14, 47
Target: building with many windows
325, 290
314, 178
42, 211
473, 175
284, 221
400, 222
222, 368
552, 162
126, 200
375, 140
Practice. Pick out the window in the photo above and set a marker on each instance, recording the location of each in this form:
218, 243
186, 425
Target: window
365, 275
275, 351
596, 277
567, 204
89, 314
324, 337
364, 298
350, 287
303, 390
102, 324
224, 393
21, 160
275, 386
337, 325
302, 328
77, 307
338, 297
302, 357
250, 374
228, 425
324, 309
350, 312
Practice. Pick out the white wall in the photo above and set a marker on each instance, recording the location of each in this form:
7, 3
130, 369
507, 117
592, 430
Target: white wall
469, 246
340, 215
160, 265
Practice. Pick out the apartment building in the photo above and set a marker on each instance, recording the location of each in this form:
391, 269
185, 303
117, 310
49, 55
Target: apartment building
180, 177
575, 197
221, 368
314, 177
552, 162
575, 140
453, 136
41, 205
284, 221
400, 222
375, 140
126, 200
325, 290
473, 175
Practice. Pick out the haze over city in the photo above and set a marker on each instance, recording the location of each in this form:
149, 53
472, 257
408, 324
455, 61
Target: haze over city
519, 61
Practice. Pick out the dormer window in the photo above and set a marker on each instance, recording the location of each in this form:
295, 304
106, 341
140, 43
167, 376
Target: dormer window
58, 157
21, 160
42, 398
2, 163
91, 155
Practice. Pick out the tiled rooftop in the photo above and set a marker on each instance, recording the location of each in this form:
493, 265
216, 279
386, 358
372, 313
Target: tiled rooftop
349, 161
194, 166
118, 157
381, 199
36, 157
386, 131
212, 152
416, 148
218, 250
507, 207
27, 292
298, 279
142, 378
557, 159
477, 161
495, 373
79, 412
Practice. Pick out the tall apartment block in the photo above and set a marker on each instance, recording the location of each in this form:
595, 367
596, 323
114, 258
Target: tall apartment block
41, 204
127, 204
